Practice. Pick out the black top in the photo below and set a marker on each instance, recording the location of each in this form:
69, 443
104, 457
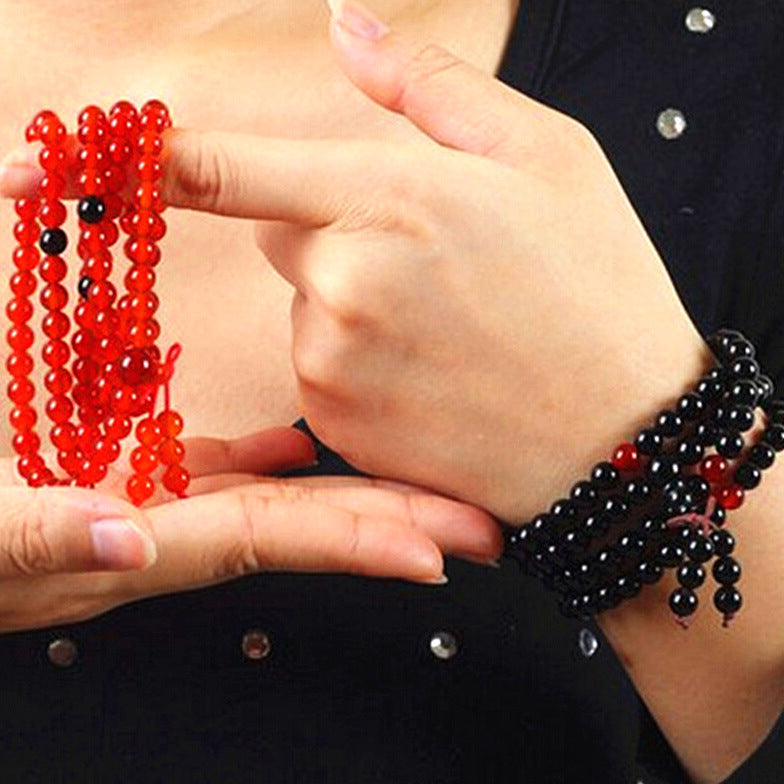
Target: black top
351, 690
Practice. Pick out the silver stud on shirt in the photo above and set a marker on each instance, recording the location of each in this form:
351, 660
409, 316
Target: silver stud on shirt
588, 643
256, 644
671, 123
443, 645
62, 652
700, 20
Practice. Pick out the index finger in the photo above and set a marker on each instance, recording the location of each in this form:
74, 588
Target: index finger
309, 182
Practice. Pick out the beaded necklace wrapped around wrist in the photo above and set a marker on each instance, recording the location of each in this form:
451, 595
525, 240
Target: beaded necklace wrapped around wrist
111, 370
647, 509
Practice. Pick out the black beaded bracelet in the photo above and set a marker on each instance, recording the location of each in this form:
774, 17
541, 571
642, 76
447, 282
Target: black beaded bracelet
656, 515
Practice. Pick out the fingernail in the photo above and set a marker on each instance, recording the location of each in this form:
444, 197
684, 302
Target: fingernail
357, 20
440, 580
17, 180
120, 544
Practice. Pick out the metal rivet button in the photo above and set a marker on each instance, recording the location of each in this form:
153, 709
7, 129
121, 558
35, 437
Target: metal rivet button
588, 643
671, 123
443, 645
700, 20
256, 644
62, 652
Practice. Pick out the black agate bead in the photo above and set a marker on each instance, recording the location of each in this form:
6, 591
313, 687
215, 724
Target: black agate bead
53, 242
91, 209
683, 602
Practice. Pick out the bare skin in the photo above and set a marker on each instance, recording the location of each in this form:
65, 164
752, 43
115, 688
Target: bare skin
712, 730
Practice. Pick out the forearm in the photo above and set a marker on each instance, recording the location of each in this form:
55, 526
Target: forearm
715, 692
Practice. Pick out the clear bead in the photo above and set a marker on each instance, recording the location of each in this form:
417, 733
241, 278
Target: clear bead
671, 123
700, 20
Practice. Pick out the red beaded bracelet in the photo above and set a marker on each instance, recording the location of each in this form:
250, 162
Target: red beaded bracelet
111, 369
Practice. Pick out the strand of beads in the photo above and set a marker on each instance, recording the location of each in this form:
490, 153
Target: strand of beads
666, 518
117, 372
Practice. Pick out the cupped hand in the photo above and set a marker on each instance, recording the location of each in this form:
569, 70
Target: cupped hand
480, 312
68, 554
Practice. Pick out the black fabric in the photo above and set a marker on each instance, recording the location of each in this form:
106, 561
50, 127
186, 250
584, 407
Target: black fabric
350, 692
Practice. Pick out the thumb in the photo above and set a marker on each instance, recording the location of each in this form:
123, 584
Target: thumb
51, 530
450, 100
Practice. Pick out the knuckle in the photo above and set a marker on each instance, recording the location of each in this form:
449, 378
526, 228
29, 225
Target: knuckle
429, 64
352, 545
203, 175
25, 547
241, 557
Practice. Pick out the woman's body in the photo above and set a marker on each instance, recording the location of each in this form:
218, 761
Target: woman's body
632, 646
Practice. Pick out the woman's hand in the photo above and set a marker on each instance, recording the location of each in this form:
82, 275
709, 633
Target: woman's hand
68, 554
480, 312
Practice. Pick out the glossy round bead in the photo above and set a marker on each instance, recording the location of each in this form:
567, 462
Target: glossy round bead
630, 546
56, 353
21, 390
626, 457
53, 269
117, 427
19, 364
744, 368
727, 600
738, 418
52, 214
698, 488
726, 570
762, 455
604, 475
690, 452
731, 497
615, 508
584, 494
23, 283
699, 548
26, 258
729, 445
148, 432
669, 554
637, 491
709, 389
723, 541
627, 587
662, 469
22, 417
690, 407
649, 442
745, 393
171, 423
54, 296
176, 479
668, 424
19, 310
20, 337
649, 572
714, 468
26, 442
683, 602
774, 435
144, 460
139, 488
748, 476
107, 450
137, 366
690, 575
53, 242
91, 209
